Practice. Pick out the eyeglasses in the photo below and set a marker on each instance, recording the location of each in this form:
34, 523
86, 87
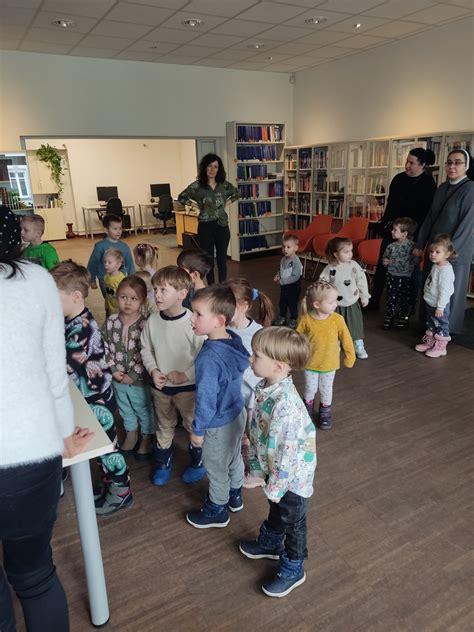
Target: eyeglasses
448, 163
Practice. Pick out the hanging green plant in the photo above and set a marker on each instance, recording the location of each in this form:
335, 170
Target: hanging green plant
52, 157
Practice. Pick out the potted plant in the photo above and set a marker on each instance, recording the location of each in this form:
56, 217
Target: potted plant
52, 157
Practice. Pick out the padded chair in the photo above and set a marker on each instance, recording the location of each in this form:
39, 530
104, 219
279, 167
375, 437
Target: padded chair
164, 210
320, 225
354, 229
369, 251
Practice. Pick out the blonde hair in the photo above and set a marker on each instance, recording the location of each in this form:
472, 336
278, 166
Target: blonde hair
70, 277
145, 276
316, 292
146, 255
178, 278
36, 220
333, 247
444, 240
283, 345
115, 253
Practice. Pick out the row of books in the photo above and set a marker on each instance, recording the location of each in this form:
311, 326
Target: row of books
298, 223
336, 184
266, 152
255, 209
249, 191
251, 172
305, 183
249, 227
338, 158
305, 159
258, 133
255, 242
304, 204
379, 155
320, 159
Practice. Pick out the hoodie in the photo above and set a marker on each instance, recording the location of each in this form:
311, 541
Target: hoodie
220, 366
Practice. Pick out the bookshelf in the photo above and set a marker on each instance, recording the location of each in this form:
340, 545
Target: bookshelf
255, 159
298, 187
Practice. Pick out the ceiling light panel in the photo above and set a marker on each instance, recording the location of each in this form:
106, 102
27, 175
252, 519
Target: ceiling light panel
209, 22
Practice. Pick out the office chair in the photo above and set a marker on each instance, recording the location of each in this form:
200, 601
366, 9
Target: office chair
114, 207
164, 210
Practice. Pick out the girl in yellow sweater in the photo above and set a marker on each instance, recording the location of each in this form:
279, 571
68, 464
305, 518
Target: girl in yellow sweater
325, 330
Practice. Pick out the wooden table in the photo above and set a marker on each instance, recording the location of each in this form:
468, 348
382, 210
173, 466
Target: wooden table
185, 224
86, 210
85, 508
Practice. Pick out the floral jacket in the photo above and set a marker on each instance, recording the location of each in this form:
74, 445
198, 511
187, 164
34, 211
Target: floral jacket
122, 347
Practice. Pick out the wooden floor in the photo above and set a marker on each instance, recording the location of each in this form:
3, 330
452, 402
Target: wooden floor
390, 525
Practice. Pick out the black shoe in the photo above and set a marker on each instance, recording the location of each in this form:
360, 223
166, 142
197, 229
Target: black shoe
387, 323
402, 322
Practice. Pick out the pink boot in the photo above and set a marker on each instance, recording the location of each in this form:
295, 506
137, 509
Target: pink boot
427, 342
439, 347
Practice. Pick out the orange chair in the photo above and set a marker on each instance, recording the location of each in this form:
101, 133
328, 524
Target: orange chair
368, 252
320, 225
354, 229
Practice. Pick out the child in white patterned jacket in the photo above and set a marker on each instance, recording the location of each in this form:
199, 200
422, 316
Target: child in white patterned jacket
283, 453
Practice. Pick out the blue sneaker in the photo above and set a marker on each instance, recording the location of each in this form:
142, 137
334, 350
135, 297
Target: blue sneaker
210, 515
289, 575
195, 470
235, 500
161, 466
268, 545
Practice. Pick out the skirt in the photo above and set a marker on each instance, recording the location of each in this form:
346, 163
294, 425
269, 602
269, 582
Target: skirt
354, 321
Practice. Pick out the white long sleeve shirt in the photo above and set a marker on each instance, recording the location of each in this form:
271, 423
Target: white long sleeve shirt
439, 286
349, 280
36, 411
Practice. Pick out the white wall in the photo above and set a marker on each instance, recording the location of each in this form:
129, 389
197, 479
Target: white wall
131, 165
53, 95
422, 83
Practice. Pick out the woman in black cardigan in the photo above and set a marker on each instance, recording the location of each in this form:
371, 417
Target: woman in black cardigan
410, 195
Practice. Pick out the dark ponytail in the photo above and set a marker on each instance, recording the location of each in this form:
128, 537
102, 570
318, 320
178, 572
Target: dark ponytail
424, 156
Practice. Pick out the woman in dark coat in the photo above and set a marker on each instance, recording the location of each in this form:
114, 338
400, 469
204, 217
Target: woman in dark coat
410, 195
452, 212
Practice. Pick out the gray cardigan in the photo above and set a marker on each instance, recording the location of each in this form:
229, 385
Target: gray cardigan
456, 218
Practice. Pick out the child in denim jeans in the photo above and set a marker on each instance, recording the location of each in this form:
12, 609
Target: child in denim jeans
283, 453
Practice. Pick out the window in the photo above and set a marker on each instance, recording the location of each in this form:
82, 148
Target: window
19, 180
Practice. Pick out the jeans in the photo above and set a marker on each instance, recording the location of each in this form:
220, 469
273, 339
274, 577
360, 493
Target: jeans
289, 295
438, 325
29, 497
211, 236
288, 517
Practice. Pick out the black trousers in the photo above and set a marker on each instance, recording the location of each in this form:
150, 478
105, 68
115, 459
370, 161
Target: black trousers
29, 497
289, 295
212, 236
398, 296
288, 517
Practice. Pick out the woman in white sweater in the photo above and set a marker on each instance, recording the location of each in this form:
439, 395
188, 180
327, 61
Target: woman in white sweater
36, 428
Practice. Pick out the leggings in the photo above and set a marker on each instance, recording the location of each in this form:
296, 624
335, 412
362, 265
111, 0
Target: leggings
322, 382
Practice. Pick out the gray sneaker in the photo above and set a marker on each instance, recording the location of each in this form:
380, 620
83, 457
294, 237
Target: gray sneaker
117, 498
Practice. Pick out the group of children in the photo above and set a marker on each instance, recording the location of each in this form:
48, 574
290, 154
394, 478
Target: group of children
225, 373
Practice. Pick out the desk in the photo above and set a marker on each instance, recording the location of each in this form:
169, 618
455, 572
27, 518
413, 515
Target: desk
85, 508
185, 224
93, 209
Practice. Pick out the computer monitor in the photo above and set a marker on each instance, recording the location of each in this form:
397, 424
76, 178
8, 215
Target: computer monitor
157, 190
105, 193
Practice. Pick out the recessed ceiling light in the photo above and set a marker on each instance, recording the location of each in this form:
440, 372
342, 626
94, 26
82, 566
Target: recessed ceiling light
317, 20
257, 45
269, 58
357, 25
154, 47
193, 22
65, 24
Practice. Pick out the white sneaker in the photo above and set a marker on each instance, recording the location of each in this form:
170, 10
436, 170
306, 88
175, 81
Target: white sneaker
360, 351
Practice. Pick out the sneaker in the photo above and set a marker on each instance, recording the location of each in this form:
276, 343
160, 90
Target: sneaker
254, 551
387, 323
210, 515
360, 351
292, 323
289, 575
116, 499
235, 503
281, 320
402, 322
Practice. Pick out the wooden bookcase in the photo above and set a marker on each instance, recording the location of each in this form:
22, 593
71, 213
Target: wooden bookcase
255, 155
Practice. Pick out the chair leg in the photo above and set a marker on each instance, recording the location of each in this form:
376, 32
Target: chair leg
315, 269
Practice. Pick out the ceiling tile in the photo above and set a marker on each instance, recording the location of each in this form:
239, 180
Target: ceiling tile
468, 4
397, 28
303, 60
99, 53
244, 28
12, 31
9, 44
279, 67
177, 59
331, 51
247, 65
235, 55
120, 29
21, 4
265, 57
157, 48
394, 9
348, 6
319, 38
438, 13
271, 12
331, 18
300, 3
107, 43
209, 22
362, 41
44, 19
138, 14
165, 4
172, 36
197, 51
87, 8
294, 48
213, 39
267, 44
213, 63
45, 47
285, 33
62, 36
12, 15
224, 8
137, 56
366, 23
